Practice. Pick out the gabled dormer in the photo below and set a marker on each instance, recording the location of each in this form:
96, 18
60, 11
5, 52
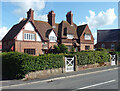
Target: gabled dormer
84, 33
28, 33
52, 36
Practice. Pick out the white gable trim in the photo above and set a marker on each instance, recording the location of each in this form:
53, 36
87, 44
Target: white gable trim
38, 37
29, 26
20, 36
52, 36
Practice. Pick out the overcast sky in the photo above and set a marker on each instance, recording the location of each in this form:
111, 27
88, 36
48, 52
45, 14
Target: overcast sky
98, 15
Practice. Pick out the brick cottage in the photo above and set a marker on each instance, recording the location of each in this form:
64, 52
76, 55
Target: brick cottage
37, 37
108, 39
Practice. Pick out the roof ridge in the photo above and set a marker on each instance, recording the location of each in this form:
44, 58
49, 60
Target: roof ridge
83, 25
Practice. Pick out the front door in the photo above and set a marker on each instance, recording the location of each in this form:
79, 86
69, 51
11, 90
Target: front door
69, 63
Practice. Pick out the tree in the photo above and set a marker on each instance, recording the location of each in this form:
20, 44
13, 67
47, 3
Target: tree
72, 49
61, 48
56, 49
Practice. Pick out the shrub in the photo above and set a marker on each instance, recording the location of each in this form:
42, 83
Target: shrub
118, 55
61, 48
92, 57
16, 65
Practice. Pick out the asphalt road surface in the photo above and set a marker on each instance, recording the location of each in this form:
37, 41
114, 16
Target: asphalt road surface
98, 80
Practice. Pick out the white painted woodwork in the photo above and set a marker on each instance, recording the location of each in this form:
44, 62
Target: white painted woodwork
20, 36
29, 27
38, 37
52, 36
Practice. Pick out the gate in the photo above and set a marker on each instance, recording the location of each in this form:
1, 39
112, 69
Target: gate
113, 60
69, 63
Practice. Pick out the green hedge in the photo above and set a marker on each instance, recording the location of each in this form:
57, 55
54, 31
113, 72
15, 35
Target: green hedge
92, 57
16, 65
118, 55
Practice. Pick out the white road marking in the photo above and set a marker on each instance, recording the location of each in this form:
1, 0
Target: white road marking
53, 79
97, 84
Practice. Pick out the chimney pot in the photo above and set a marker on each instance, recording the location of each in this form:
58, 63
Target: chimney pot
30, 14
51, 18
69, 17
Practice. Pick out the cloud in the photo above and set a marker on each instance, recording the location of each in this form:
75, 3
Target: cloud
41, 17
103, 18
24, 6
98, 20
3, 31
82, 23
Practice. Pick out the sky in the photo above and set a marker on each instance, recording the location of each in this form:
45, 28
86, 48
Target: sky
98, 15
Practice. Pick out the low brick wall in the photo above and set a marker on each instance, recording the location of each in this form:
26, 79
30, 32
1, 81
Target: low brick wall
43, 73
83, 67
49, 72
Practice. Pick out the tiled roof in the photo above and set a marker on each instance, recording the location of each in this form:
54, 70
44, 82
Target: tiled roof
70, 29
15, 30
80, 29
44, 28
112, 35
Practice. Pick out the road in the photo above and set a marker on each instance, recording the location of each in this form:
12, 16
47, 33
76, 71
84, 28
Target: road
97, 80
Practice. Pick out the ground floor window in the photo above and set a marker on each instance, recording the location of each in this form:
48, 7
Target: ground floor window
30, 51
87, 47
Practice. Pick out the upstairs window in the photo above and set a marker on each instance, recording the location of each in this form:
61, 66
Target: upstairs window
70, 36
87, 37
53, 39
29, 36
112, 46
65, 31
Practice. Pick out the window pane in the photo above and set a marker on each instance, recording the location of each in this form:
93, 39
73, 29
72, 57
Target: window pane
87, 47
30, 51
87, 37
29, 36
70, 36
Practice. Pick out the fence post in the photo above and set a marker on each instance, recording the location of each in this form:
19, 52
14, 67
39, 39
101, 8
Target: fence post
76, 66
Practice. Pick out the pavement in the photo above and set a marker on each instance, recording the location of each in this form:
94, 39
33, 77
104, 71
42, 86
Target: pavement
8, 83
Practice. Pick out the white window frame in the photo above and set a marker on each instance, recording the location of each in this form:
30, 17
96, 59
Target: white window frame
87, 36
70, 36
53, 39
29, 36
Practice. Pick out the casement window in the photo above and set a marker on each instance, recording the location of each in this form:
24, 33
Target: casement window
70, 36
87, 47
30, 51
112, 46
103, 45
65, 31
87, 37
53, 39
29, 36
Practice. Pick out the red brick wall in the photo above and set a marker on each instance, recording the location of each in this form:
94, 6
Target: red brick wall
107, 44
84, 42
21, 45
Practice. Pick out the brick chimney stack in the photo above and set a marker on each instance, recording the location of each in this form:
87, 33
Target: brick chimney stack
69, 17
51, 18
30, 14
